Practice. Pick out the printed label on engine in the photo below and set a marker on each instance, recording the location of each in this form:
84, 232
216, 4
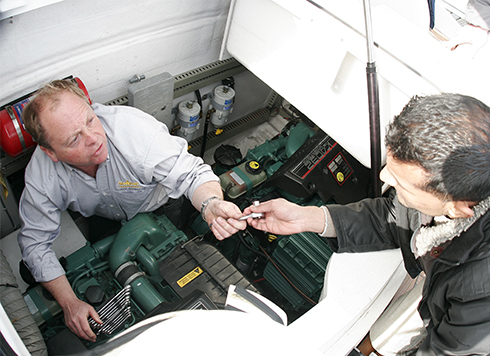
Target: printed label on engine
234, 176
340, 169
189, 277
314, 157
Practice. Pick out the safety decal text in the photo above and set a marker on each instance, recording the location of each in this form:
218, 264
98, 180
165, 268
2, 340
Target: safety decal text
189, 277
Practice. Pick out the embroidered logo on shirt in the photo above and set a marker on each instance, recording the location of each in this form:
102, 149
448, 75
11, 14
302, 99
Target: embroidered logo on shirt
128, 185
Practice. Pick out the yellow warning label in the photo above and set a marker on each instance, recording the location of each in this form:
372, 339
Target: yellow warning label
340, 177
189, 277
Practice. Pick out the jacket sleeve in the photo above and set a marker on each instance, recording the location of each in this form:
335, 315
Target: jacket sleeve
368, 225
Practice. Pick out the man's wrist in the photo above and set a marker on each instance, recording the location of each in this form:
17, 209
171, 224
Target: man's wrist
324, 208
205, 204
328, 227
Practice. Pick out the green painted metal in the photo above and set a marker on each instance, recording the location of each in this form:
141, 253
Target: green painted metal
297, 137
147, 297
103, 246
144, 230
303, 258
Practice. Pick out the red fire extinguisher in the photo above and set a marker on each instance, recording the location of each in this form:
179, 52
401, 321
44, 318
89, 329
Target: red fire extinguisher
14, 139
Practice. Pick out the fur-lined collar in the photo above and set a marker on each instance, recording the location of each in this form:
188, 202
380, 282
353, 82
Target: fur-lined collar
426, 238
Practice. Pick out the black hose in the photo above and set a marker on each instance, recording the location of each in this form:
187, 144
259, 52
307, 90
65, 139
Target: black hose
257, 252
236, 250
205, 133
199, 99
227, 190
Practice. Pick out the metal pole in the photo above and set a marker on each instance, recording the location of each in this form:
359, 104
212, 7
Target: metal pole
373, 99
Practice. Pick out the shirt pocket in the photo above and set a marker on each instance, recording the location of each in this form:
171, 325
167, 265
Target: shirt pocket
132, 194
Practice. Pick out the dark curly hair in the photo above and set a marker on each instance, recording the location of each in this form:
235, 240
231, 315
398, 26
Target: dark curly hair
448, 135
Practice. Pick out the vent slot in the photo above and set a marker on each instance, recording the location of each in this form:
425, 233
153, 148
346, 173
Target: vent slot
197, 78
242, 123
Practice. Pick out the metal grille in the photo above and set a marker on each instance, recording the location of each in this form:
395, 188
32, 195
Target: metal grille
200, 77
241, 123
197, 78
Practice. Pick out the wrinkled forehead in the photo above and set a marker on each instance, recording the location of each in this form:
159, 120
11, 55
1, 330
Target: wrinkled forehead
49, 98
62, 100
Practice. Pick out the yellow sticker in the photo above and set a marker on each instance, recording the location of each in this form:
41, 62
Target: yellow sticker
340, 177
189, 277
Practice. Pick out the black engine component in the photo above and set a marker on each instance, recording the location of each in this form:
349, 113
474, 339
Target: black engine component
322, 166
199, 265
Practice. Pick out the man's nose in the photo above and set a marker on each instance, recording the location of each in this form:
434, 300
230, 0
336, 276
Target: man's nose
91, 138
386, 177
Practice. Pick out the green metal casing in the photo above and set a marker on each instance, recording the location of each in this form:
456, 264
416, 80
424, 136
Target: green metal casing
303, 258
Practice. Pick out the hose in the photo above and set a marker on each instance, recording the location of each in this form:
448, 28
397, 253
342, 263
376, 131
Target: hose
227, 190
18, 312
205, 133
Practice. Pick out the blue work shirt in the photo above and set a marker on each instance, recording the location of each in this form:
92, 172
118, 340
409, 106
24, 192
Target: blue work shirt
145, 167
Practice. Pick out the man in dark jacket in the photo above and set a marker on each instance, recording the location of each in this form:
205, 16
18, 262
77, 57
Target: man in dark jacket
438, 162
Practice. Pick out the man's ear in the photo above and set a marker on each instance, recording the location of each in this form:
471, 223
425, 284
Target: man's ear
461, 209
50, 153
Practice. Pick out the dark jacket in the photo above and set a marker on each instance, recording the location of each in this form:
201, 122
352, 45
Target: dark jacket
456, 295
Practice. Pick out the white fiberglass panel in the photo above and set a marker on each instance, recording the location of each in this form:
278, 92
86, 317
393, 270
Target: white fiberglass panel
315, 58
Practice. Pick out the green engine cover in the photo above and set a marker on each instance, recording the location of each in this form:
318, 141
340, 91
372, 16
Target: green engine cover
303, 259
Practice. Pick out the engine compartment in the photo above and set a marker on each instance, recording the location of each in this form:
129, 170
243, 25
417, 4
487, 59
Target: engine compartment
151, 267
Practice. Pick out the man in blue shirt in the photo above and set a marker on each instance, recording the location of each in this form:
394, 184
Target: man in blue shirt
111, 161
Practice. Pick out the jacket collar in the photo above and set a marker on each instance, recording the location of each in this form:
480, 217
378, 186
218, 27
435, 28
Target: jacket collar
465, 247
460, 248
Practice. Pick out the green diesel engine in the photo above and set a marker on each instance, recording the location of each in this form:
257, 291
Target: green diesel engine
151, 267
307, 167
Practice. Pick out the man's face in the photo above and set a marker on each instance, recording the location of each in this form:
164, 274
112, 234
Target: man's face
406, 179
74, 131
